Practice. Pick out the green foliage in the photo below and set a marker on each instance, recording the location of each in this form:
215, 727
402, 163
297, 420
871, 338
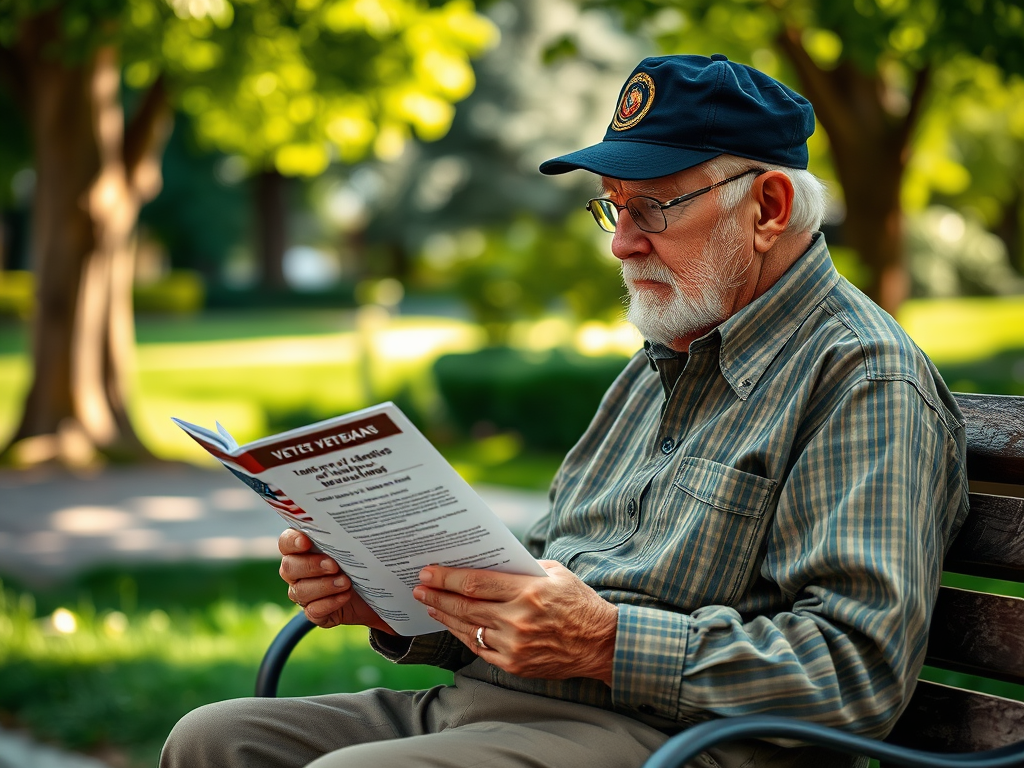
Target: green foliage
290, 84
548, 398
179, 292
969, 151
873, 34
16, 297
527, 269
293, 84
204, 210
950, 255
176, 293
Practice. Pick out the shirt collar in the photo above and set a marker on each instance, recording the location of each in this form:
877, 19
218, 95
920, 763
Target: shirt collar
667, 362
754, 336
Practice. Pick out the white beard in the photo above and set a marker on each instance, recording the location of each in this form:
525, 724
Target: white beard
697, 305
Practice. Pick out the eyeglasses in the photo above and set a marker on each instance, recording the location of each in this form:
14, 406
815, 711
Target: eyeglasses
646, 212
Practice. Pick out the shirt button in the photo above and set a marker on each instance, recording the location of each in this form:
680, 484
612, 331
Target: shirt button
631, 508
647, 709
668, 445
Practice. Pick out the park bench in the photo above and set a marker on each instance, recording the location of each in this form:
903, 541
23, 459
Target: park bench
972, 632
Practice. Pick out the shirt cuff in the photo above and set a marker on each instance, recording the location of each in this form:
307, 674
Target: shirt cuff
437, 649
650, 652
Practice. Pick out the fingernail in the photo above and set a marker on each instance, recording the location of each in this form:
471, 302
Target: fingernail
432, 612
419, 593
341, 581
426, 576
326, 564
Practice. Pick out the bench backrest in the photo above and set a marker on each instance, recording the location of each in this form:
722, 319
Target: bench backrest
973, 632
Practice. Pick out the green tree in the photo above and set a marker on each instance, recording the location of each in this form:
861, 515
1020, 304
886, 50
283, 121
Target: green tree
470, 213
290, 85
867, 66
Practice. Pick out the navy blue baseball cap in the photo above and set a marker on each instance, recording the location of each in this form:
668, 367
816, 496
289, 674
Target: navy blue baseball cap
675, 112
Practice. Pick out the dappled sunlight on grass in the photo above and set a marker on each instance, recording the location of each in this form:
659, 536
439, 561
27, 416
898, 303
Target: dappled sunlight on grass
93, 677
261, 385
244, 418
14, 377
965, 329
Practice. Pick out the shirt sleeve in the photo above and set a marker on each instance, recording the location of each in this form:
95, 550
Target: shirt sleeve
438, 649
856, 549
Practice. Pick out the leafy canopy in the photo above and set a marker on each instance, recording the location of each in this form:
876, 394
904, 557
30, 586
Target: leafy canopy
869, 33
290, 84
969, 138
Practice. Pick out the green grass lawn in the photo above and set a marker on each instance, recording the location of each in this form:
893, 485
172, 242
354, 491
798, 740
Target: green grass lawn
107, 664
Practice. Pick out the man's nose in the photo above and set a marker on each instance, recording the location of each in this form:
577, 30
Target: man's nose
629, 240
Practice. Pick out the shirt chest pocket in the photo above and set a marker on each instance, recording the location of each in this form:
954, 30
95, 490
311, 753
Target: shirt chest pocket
703, 526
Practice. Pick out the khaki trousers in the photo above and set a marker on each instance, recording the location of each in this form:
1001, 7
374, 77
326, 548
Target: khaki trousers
471, 724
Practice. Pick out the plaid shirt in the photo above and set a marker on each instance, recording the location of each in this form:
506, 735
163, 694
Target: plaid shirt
770, 524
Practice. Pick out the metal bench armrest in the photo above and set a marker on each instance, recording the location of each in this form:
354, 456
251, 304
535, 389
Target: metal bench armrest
277, 654
685, 746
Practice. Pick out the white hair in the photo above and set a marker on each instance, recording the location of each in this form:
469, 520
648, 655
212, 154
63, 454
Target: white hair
810, 198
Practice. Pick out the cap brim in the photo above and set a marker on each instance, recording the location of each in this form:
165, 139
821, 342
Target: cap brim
628, 160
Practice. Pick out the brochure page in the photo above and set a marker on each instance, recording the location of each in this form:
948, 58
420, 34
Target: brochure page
373, 493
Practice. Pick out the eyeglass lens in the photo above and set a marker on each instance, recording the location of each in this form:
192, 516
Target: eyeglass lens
647, 214
605, 213
645, 211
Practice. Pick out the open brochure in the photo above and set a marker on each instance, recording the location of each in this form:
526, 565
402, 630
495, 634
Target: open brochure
372, 492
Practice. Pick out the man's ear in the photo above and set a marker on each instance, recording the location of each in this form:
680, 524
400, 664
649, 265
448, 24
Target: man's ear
773, 194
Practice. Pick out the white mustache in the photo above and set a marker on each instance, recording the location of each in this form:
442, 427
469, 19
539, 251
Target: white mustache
650, 268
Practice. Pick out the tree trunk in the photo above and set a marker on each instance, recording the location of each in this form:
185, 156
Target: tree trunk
871, 172
92, 176
272, 227
869, 129
1011, 232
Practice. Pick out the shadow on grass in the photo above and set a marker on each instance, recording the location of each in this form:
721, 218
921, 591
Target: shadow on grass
148, 645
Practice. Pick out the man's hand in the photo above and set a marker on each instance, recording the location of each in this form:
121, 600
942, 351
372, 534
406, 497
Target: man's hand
552, 628
318, 586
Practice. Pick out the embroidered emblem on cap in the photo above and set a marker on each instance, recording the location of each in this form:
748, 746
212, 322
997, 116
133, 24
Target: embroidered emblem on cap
636, 101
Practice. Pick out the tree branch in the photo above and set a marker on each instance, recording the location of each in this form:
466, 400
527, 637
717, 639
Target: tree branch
922, 81
144, 139
823, 88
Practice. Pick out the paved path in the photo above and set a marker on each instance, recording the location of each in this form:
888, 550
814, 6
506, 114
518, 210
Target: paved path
18, 751
54, 523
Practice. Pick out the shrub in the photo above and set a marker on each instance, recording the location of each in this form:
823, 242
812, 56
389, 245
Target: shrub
180, 292
16, 298
548, 398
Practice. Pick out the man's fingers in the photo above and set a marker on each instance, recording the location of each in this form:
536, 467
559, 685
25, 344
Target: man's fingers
319, 610
308, 566
307, 591
292, 542
478, 584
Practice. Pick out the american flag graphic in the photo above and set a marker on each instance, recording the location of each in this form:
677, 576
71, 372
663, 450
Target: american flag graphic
273, 495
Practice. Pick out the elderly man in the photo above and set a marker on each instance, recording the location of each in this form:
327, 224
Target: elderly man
753, 522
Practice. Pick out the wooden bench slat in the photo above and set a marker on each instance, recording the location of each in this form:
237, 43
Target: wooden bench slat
991, 542
940, 718
978, 633
995, 437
